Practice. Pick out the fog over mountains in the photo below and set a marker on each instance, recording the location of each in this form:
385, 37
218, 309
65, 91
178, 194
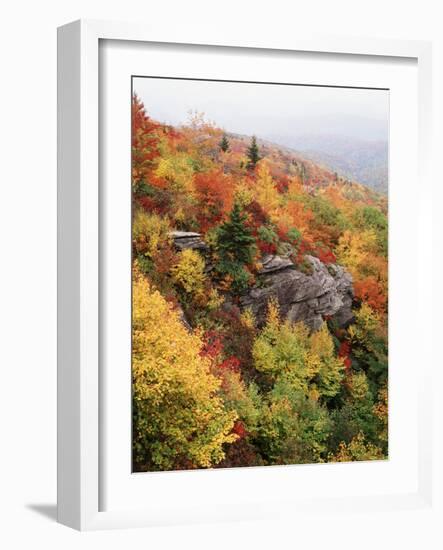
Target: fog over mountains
364, 161
344, 129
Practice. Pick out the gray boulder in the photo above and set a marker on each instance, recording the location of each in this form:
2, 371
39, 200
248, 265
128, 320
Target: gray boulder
327, 291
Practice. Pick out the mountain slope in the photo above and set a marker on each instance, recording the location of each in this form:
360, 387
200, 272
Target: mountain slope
363, 161
368, 180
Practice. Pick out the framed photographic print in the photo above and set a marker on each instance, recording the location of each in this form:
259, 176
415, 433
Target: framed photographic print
235, 280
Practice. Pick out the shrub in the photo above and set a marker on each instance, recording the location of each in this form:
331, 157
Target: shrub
149, 233
189, 273
267, 239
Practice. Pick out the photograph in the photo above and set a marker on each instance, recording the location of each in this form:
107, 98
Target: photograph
259, 273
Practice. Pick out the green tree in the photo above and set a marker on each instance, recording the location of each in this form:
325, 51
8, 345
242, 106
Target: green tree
236, 247
293, 428
224, 144
253, 153
306, 361
357, 415
235, 241
368, 338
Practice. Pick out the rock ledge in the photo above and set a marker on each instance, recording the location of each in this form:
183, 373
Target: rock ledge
188, 239
309, 298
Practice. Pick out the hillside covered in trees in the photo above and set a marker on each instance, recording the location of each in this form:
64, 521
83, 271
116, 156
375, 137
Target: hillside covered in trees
365, 161
259, 304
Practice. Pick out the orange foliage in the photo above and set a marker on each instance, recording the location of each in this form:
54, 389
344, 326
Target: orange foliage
214, 191
293, 215
371, 291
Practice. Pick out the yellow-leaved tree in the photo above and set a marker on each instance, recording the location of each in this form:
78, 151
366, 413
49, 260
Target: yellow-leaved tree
150, 233
266, 191
179, 420
356, 250
177, 170
189, 273
307, 361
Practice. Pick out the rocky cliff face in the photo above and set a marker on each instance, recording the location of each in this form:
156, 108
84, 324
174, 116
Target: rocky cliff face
308, 297
327, 291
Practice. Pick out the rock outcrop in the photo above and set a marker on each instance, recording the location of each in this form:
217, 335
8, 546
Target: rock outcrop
327, 291
309, 297
188, 239
272, 263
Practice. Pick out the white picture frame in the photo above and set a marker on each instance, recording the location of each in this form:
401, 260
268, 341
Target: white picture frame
80, 412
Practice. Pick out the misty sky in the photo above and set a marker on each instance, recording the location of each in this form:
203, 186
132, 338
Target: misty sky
276, 112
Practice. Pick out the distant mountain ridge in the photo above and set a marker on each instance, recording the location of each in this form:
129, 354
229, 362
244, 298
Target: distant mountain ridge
318, 172
366, 162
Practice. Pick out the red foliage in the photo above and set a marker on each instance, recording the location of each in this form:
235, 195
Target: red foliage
213, 349
239, 429
147, 203
232, 363
238, 339
145, 139
326, 255
344, 351
282, 184
266, 248
304, 248
256, 216
240, 453
213, 344
160, 203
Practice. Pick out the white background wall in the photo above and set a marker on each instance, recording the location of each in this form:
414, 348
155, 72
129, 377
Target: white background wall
28, 269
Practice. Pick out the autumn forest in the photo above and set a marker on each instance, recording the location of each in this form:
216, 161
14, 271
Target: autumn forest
260, 302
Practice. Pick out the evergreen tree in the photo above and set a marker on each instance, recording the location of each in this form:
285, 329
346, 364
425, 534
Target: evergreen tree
236, 247
235, 241
253, 153
224, 144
